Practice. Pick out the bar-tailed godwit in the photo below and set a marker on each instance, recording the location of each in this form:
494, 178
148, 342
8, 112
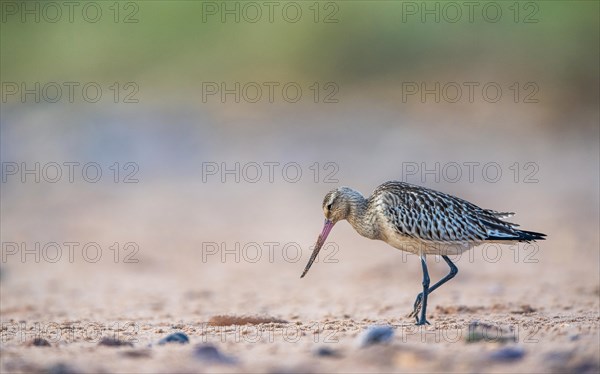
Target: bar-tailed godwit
421, 221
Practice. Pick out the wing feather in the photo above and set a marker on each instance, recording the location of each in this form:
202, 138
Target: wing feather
429, 215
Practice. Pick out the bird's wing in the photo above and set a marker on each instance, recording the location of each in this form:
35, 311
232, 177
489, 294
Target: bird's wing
430, 215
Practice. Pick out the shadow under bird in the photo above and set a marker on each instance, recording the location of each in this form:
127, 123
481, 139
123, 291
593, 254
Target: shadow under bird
420, 221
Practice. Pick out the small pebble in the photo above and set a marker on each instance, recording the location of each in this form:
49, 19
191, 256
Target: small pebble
211, 355
111, 342
507, 354
558, 356
326, 352
40, 342
60, 368
177, 337
524, 309
375, 335
141, 353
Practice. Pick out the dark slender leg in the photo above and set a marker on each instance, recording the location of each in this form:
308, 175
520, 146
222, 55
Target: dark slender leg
423, 320
453, 272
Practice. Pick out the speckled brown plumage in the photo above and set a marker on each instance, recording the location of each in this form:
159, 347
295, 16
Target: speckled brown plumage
421, 221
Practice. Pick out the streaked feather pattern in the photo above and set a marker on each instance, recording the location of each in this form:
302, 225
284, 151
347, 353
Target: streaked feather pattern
427, 215
421, 221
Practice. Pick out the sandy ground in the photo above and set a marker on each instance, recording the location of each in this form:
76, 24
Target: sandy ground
551, 322
522, 309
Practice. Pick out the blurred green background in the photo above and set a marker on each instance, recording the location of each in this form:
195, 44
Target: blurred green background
174, 45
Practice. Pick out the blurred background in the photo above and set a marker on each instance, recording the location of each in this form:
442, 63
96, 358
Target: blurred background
218, 127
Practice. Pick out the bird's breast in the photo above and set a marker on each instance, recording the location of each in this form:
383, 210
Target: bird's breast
419, 247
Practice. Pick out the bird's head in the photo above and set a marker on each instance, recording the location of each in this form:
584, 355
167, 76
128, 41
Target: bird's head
337, 206
337, 203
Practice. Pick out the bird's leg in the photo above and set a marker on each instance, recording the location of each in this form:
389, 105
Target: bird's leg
417, 307
453, 272
423, 321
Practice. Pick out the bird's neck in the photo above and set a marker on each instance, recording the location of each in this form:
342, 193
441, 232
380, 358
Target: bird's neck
362, 219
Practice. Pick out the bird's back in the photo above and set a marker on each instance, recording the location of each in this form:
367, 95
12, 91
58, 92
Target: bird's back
420, 214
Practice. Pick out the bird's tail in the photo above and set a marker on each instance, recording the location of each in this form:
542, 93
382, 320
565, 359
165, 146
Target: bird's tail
517, 235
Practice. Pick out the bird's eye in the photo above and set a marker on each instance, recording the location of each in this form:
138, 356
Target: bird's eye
329, 207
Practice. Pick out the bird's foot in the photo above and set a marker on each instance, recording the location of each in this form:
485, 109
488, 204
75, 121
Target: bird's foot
422, 322
417, 307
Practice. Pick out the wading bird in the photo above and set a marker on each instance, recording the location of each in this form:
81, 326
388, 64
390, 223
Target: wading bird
421, 221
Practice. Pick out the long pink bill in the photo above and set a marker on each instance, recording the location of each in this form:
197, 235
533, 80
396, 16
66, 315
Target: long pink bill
320, 241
